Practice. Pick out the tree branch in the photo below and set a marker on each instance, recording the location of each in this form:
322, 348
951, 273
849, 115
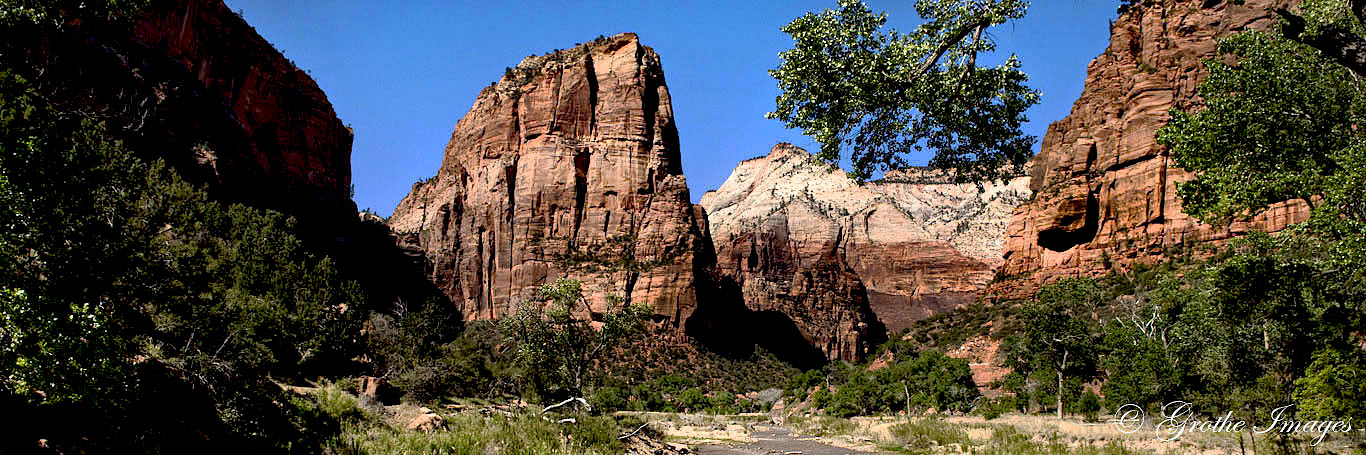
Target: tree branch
955, 38
633, 433
971, 61
1342, 46
567, 401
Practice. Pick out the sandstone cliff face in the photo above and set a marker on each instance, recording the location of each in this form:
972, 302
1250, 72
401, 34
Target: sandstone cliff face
844, 260
191, 83
294, 154
1104, 189
568, 166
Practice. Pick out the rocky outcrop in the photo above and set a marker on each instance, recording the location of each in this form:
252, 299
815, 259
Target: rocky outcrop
189, 82
294, 153
1104, 190
568, 166
844, 260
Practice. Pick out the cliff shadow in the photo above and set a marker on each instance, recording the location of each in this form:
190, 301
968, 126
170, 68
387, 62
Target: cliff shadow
724, 325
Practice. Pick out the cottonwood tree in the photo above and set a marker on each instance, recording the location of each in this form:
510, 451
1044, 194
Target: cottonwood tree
1281, 120
881, 95
1058, 330
556, 345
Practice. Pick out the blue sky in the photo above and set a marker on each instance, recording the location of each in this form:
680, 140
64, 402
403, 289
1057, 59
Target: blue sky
403, 73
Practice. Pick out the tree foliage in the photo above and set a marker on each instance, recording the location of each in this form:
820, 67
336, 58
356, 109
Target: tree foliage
1280, 316
917, 383
1060, 338
556, 339
124, 288
883, 95
1278, 124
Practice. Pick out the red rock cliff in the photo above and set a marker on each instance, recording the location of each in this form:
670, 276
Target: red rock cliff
1103, 187
191, 83
295, 147
568, 166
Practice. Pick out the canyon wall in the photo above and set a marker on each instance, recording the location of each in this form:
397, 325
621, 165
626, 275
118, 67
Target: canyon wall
846, 261
287, 148
191, 83
1104, 190
567, 166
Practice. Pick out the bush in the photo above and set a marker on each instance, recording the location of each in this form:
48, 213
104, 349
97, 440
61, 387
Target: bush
692, 400
1089, 406
424, 354
608, 399
478, 435
927, 380
722, 403
928, 433
125, 260
993, 408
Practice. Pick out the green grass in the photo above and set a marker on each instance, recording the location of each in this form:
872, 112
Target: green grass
366, 432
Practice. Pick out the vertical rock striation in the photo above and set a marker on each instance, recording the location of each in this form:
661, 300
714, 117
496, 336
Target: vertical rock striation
568, 166
1104, 190
191, 83
843, 260
290, 150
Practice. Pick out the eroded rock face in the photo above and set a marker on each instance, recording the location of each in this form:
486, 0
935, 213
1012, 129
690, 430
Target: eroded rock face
844, 260
296, 153
568, 166
191, 83
1105, 191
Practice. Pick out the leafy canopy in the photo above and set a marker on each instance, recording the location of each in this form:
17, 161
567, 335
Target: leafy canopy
122, 285
1278, 125
882, 95
556, 344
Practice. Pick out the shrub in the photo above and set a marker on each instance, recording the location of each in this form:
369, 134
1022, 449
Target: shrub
608, 399
124, 260
692, 400
993, 408
1089, 406
722, 403
927, 433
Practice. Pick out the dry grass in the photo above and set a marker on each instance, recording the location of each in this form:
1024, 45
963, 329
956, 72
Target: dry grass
1027, 434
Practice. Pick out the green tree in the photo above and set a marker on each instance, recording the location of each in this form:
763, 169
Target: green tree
1277, 125
556, 341
928, 379
427, 353
124, 287
882, 95
1334, 386
1059, 332
1279, 315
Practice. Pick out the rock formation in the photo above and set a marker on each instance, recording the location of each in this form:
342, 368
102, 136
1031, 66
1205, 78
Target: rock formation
568, 166
191, 83
291, 150
1104, 190
843, 260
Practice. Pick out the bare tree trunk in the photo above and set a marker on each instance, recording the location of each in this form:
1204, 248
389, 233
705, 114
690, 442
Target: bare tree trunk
907, 391
1063, 367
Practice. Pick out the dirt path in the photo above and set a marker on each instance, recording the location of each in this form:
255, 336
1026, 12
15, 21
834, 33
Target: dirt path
775, 440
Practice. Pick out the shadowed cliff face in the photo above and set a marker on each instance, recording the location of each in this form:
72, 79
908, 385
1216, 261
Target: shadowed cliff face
295, 146
568, 166
847, 262
1103, 187
193, 84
